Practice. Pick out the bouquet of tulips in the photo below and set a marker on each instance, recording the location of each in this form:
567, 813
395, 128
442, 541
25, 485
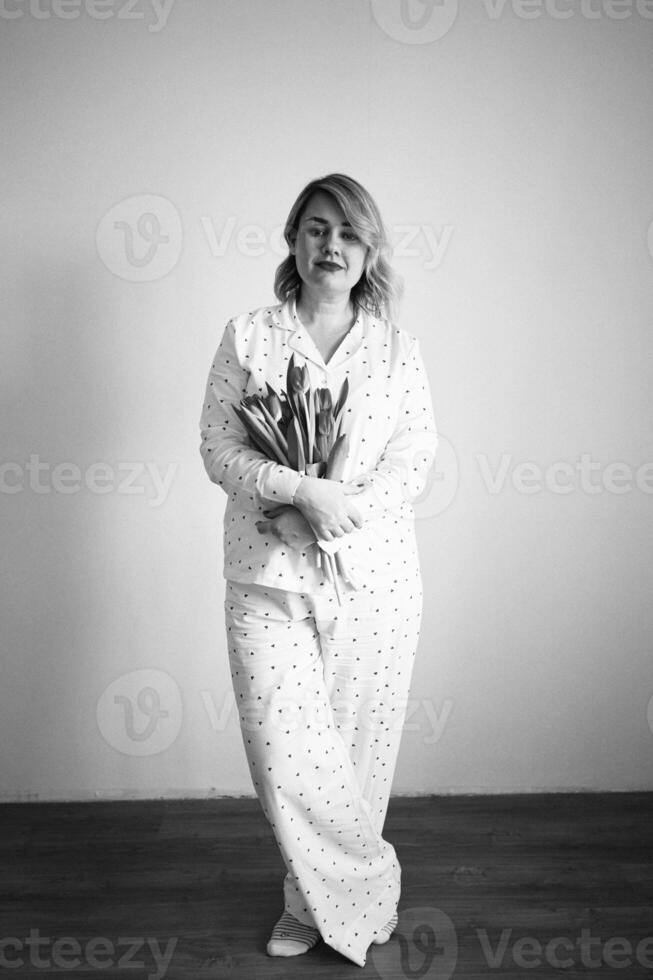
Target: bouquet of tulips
301, 429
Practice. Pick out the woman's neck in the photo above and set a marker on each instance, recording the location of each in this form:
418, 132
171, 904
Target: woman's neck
324, 313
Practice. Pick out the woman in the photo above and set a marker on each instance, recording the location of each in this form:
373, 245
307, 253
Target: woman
322, 687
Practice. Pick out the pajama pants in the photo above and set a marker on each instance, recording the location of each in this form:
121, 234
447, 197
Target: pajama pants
322, 692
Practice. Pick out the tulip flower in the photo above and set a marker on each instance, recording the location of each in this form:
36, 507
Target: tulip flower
300, 428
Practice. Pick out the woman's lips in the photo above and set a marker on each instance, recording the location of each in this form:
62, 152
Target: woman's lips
331, 266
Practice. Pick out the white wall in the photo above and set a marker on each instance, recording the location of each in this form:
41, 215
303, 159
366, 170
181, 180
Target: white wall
523, 145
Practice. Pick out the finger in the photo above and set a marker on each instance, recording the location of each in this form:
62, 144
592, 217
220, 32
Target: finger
358, 484
355, 516
313, 528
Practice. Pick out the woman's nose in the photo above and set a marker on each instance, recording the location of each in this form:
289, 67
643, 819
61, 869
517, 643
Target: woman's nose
331, 243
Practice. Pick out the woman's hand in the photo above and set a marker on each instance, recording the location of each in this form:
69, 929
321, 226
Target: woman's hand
327, 507
290, 526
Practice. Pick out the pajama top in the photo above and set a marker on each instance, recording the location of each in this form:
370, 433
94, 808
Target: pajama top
388, 418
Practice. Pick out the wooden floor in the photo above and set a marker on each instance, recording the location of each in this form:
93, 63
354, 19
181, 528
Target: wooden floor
487, 882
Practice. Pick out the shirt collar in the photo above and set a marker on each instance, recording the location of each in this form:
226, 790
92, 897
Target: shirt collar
285, 317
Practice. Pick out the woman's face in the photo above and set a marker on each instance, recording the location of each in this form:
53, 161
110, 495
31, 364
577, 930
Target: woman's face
329, 256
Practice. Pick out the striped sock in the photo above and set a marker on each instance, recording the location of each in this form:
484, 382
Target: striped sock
387, 931
291, 937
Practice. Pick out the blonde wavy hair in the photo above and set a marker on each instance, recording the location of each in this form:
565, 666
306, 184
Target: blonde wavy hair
380, 287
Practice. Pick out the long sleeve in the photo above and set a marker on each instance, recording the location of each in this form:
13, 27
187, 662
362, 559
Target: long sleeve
401, 473
225, 449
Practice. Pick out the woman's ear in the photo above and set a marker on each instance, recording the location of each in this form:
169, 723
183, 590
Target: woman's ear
292, 241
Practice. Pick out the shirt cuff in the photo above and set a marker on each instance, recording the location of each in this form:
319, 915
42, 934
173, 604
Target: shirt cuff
278, 483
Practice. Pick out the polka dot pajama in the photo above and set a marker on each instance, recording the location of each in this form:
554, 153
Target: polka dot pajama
322, 692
